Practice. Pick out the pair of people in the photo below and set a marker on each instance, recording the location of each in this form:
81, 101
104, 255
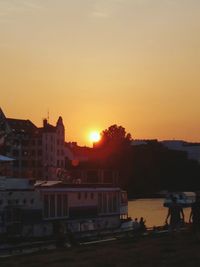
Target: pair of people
139, 226
176, 215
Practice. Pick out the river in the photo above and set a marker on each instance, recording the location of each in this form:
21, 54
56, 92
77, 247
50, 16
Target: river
152, 210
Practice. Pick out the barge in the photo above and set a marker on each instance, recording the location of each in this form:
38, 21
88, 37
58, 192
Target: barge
39, 209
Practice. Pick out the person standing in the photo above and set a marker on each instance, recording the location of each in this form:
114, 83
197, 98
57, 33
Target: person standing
195, 216
142, 225
176, 215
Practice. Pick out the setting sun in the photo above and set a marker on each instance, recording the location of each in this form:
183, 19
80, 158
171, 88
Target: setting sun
94, 136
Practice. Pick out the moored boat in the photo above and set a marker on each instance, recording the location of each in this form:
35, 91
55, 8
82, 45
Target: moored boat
42, 208
184, 199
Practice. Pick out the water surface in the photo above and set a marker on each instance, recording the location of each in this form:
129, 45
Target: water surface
152, 210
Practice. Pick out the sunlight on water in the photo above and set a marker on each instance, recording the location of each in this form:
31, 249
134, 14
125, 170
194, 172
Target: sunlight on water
152, 210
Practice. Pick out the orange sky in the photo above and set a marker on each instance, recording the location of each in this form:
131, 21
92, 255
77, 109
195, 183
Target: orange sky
96, 63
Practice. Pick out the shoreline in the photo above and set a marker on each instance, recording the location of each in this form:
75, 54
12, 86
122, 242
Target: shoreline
166, 249
146, 196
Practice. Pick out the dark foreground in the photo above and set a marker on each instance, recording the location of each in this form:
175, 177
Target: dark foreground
156, 250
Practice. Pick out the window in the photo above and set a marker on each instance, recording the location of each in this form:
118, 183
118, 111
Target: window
39, 142
39, 163
92, 195
79, 195
24, 163
15, 153
46, 206
59, 205
25, 153
85, 195
16, 142
52, 206
25, 142
100, 202
16, 163
110, 209
104, 203
65, 205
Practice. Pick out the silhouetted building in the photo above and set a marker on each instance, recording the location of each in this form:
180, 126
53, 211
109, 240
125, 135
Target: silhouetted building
53, 146
38, 152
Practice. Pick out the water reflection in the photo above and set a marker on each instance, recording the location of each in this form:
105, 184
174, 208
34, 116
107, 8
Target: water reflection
152, 210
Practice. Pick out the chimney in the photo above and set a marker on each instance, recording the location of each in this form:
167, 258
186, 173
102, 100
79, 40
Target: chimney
45, 123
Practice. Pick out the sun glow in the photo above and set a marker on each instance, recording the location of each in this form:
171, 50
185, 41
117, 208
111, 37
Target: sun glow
94, 136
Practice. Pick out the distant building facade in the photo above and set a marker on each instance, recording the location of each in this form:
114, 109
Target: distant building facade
37, 152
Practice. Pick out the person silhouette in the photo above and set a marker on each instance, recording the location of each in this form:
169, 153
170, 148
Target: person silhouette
195, 216
136, 225
176, 215
142, 225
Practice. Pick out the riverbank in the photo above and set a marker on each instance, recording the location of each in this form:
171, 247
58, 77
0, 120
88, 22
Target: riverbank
165, 249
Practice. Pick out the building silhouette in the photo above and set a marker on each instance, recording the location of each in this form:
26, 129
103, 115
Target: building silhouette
37, 152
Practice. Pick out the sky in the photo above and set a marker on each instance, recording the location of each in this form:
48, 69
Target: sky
97, 63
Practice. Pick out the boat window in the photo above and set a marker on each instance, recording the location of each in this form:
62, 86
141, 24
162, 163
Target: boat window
104, 203
46, 206
65, 205
100, 205
52, 205
114, 202
110, 202
59, 205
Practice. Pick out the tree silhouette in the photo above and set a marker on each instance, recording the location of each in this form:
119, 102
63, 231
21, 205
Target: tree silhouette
112, 150
115, 135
